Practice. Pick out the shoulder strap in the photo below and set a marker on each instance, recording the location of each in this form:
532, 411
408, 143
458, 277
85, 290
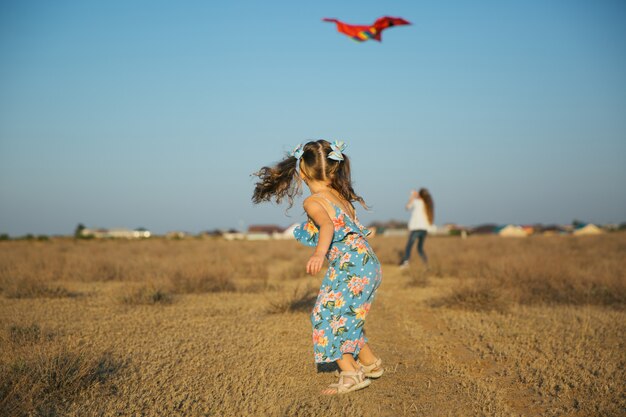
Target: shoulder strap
341, 207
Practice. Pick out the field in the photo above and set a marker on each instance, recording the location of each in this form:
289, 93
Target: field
497, 326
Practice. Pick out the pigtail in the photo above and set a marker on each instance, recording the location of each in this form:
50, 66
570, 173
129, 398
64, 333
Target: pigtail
340, 180
277, 182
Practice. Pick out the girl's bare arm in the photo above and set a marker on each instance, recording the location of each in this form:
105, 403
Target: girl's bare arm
411, 199
319, 215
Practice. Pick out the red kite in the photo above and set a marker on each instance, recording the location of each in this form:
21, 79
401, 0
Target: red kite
363, 33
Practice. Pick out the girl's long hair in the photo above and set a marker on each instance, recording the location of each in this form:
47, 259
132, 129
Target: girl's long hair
277, 182
282, 180
428, 203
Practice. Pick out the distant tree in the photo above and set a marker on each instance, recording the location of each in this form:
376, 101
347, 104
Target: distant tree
5, 236
78, 232
577, 223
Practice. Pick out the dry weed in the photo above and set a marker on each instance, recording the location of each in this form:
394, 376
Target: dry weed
294, 270
418, 276
477, 296
301, 300
23, 335
35, 288
41, 377
148, 294
202, 281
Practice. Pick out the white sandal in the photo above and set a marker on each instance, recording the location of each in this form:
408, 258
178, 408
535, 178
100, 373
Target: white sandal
374, 370
356, 381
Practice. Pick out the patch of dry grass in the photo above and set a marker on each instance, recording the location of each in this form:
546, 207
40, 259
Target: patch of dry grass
301, 300
148, 295
35, 288
568, 358
41, 376
481, 296
418, 276
535, 270
213, 279
22, 335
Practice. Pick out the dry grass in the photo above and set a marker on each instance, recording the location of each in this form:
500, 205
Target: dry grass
22, 335
301, 300
418, 276
41, 377
505, 327
35, 288
213, 279
536, 270
481, 296
148, 295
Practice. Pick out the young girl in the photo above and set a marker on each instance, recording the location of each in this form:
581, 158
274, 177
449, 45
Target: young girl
354, 272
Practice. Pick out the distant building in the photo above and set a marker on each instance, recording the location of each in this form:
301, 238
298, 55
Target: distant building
511, 230
439, 230
394, 232
587, 229
116, 233
233, 234
263, 232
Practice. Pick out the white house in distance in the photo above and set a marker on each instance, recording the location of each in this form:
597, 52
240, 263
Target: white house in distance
116, 233
443, 230
263, 232
396, 232
233, 234
511, 230
588, 229
271, 231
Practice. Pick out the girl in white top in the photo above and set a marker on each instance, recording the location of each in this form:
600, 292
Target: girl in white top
422, 214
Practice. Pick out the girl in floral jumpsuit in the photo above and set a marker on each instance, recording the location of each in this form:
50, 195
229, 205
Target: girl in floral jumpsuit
354, 272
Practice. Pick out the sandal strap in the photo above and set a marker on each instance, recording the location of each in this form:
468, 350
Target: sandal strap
356, 378
367, 368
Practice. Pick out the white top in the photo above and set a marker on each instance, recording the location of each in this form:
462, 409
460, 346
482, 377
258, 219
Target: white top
419, 219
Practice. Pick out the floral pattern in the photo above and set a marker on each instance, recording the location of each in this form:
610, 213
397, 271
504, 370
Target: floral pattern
347, 290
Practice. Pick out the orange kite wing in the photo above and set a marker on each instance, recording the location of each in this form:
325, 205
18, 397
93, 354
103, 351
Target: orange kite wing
362, 33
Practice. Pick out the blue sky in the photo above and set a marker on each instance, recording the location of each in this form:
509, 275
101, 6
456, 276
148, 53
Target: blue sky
155, 113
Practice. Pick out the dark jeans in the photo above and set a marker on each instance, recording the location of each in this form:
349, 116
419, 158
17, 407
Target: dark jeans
420, 236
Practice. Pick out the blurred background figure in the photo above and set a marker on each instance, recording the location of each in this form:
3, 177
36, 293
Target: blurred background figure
422, 215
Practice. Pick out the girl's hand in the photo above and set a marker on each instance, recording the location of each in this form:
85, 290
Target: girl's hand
315, 263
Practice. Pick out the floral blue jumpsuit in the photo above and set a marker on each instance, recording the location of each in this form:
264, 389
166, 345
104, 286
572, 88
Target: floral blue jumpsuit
348, 288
